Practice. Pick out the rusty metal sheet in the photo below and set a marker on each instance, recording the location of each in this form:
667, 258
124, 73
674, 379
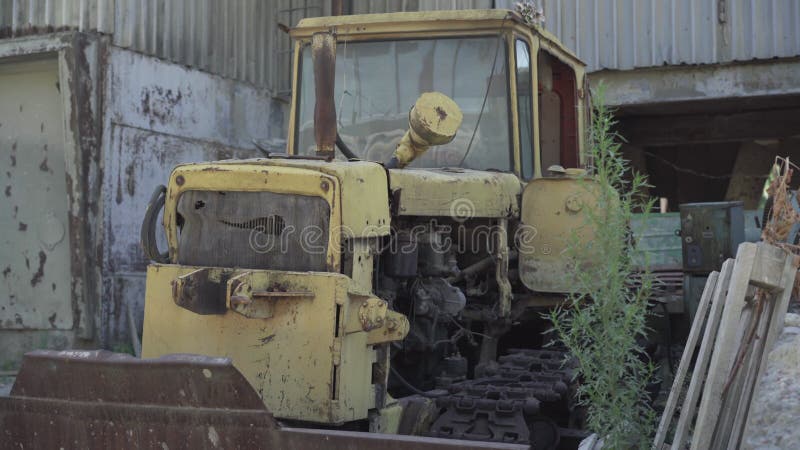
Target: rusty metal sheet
301, 438
98, 400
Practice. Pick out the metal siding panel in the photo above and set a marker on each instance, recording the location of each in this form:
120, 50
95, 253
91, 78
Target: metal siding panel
627, 34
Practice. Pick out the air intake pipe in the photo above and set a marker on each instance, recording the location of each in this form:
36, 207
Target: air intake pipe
434, 120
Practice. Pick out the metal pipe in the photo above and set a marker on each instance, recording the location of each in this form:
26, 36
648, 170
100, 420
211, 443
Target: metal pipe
336, 7
323, 53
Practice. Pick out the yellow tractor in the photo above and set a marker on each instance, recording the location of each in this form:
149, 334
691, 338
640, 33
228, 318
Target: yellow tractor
388, 272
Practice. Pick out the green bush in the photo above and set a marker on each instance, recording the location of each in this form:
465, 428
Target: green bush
604, 320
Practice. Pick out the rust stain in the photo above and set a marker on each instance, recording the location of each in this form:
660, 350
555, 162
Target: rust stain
37, 277
118, 197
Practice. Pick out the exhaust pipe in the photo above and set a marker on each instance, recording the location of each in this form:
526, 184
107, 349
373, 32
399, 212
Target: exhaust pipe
323, 54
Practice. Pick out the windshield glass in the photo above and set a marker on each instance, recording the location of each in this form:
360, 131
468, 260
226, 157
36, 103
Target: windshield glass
378, 82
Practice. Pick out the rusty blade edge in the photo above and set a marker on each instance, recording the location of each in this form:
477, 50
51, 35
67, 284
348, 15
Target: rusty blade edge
32, 421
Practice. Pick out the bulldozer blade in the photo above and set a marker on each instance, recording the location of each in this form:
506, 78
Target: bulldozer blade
99, 400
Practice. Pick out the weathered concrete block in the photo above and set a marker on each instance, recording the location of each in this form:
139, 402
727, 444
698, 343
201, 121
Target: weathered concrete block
775, 409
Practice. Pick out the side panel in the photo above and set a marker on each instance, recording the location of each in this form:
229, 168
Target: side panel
289, 358
553, 213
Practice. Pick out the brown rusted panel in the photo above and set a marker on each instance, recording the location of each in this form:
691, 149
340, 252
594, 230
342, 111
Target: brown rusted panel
98, 400
99, 375
299, 438
323, 52
48, 423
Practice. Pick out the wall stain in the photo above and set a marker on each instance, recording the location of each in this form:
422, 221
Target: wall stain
130, 180
37, 277
43, 166
23, 226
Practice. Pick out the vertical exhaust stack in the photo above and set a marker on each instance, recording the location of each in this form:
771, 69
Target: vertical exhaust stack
323, 53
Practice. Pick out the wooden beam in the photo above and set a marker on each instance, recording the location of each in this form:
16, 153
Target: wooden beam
703, 358
722, 358
686, 359
705, 128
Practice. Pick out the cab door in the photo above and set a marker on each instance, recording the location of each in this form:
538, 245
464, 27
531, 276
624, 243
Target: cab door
555, 203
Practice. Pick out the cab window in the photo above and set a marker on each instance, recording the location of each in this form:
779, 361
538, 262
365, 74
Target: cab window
524, 107
558, 113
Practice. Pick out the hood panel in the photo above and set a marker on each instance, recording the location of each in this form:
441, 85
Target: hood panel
458, 193
364, 190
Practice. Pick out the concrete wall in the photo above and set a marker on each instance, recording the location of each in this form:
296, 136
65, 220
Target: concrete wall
103, 126
157, 116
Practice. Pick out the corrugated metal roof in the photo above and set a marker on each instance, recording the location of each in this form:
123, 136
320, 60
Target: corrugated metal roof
627, 34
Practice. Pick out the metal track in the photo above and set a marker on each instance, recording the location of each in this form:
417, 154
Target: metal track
524, 399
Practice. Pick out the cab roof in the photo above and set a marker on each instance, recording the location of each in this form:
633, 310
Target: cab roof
465, 19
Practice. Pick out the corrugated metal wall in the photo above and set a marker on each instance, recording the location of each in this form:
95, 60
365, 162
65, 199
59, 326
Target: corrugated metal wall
239, 39
384, 6
626, 34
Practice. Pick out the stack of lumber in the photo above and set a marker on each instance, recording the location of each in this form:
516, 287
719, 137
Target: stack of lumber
739, 317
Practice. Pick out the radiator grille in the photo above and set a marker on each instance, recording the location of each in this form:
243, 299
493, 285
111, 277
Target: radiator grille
253, 230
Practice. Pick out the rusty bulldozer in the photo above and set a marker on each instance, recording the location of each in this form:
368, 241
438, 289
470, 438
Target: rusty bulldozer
381, 284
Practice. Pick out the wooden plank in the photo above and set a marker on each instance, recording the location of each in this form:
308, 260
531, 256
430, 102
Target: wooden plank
769, 271
725, 348
769, 326
732, 389
775, 326
703, 357
686, 359
780, 309
748, 373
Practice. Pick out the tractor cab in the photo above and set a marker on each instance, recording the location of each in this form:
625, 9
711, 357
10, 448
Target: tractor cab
522, 94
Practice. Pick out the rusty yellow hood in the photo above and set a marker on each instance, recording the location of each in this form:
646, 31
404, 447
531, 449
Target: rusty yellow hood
454, 192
